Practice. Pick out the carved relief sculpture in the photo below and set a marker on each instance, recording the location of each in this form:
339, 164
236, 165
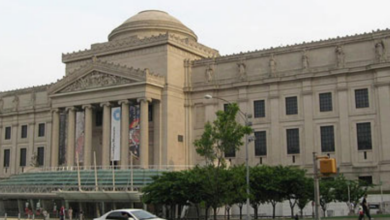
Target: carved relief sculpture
340, 56
241, 71
272, 64
305, 60
16, 103
209, 73
380, 52
96, 79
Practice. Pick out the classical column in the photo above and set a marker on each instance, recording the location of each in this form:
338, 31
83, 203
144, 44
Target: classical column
342, 94
88, 135
31, 138
55, 137
384, 122
308, 147
71, 136
275, 150
144, 126
106, 134
124, 133
157, 132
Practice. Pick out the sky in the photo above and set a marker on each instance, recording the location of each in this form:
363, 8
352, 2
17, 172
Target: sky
34, 34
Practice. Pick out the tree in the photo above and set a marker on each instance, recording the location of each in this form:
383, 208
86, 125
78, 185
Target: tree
327, 193
305, 194
237, 191
223, 135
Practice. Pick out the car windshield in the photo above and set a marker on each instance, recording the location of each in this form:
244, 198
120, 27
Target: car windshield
140, 214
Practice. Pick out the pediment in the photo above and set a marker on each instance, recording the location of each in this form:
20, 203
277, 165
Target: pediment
96, 79
98, 74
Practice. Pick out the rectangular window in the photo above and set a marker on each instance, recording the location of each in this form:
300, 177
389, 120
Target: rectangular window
326, 102
327, 139
366, 180
291, 105
225, 107
363, 131
231, 153
41, 130
23, 133
23, 155
6, 158
361, 98
260, 143
40, 156
292, 141
7, 133
259, 109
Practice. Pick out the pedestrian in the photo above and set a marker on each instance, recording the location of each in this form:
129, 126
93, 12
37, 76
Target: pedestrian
361, 213
70, 213
366, 209
296, 217
81, 215
62, 213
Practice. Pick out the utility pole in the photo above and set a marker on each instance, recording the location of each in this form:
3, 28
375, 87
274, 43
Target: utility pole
316, 188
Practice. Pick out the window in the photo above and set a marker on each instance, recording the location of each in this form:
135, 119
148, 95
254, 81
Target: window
40, 156
180, 138
230, 153
6, 158
98, 118
24, 131
366, 180
23, 152
41, 130
363, 131
326, 102
259, 109
327, 139
260, 143
7, 133
292, 141
291, 105
225, 107
361, 98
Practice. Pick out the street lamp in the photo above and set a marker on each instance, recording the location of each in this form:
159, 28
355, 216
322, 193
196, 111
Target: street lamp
247, 140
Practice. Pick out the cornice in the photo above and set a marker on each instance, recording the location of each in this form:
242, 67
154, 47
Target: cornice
24, 90
132, 43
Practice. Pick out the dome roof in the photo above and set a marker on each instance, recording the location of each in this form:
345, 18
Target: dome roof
151, 22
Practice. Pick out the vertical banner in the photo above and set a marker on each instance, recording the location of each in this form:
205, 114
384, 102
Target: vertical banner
134, 131
80, 129
115, 133
62, 138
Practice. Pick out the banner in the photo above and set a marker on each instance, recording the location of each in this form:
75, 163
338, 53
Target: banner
80, 129
62, 138
134, 131
115, 133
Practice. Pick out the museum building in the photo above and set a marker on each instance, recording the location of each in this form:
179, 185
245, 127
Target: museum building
138, 101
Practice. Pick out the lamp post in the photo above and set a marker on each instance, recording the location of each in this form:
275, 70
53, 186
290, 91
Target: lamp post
245, 116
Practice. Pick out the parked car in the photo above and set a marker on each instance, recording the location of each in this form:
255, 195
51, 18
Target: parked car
128, 214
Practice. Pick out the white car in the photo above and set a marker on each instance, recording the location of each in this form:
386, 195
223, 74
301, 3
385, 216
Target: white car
128, 214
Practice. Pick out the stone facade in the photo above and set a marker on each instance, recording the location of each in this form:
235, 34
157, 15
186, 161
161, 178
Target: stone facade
168, 71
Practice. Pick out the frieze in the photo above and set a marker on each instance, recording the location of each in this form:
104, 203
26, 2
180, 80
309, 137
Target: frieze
94, 80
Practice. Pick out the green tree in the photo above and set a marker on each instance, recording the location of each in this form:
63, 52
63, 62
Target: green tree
259, 175
305, 194
237, 191
223, 135
327, 193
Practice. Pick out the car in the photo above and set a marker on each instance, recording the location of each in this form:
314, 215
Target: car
128, 214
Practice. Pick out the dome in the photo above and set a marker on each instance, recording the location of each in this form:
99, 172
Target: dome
149, 23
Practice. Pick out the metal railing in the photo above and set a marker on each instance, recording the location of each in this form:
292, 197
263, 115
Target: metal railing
119, 167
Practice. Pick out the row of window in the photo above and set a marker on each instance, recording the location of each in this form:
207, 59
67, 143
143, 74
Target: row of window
23, 155
325, 103
363, 132
23, 133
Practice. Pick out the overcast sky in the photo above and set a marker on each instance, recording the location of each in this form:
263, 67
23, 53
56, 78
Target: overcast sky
34, 33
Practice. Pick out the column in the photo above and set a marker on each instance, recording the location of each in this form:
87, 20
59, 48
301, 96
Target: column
157, 132
342, 94
144, 126
70, 155
384, 122
124, 133
274, 146
55, 138
31, 136
88, 135
308, 147
106, 134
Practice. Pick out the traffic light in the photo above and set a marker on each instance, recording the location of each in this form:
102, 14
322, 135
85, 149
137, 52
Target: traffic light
328, 166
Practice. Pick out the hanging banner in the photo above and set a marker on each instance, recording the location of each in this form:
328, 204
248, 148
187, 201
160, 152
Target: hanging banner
115, 133
62, 139
80, 129
134, 131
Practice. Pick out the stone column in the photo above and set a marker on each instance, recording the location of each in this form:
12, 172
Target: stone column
157, 132
308, 147
70, 155
31, 138
144, 126
275, 150
88, 135
124, 133
384, 122
106, 134
342, 94
55, 138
